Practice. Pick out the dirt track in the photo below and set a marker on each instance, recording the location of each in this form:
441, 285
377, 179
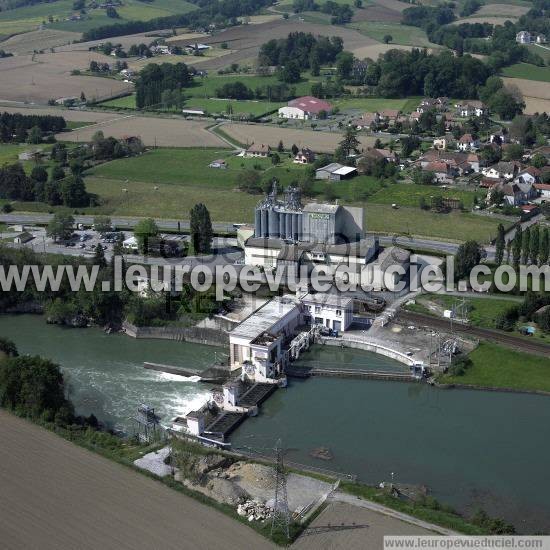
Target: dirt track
514, 342
57, 496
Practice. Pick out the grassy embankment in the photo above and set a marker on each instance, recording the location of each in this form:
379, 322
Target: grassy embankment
126, 451
497, 367
182, 178
528, 72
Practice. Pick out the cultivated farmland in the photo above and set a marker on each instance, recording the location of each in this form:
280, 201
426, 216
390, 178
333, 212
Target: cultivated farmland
535, 94
39, 78
45, 39
163, 132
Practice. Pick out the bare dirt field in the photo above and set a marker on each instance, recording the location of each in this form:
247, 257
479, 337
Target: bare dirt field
374, 50
377, 13
501, 10
321, 142
38, 40
125, 41
38, 78
247, 39
486, 19
343, 526
535, 94
393, 4
57, 496
163, 132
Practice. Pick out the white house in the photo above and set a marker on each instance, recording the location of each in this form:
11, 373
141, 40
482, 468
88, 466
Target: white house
543, 189
333, 311
523, 37
468, 143
130, 243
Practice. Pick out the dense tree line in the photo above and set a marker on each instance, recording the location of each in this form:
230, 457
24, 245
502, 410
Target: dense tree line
399, 73
155, 79
341, 13
16, 127
428, 17
302, 49
220, 13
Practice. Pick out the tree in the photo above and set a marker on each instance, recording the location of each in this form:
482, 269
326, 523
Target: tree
57, 173
534, 245
275, 159
500, 244
290, 73
344, 65
112, 13
349, 144
144, 232
516, 247
422, 203
102, 224
281, 146
99, 256
39, 174
387, 38
513, 151
201, 229
544, 251
294, 149
468, 255
35, 135
250, 181
61, 226
525, 244
35, 387
8, 348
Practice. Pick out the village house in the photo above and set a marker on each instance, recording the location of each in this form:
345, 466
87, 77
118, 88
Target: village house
472, 108
468, 143
444, 172
515, 194
426, 104
390, 116
463, 163
504, 170
440, 143
305, 108
525, 37
415, 116
528, 175
499, 137
386, 154
543, 189
366, 121
260, 150
304, 156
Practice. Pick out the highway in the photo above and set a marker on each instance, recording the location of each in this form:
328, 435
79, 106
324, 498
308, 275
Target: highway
418, 243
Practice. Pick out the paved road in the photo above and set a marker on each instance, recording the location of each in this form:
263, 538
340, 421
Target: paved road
57, 496
519, 343
229, 227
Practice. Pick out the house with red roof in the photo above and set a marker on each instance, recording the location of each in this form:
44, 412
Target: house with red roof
304, 108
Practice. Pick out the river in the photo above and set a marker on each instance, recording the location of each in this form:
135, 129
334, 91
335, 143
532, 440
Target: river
471, 448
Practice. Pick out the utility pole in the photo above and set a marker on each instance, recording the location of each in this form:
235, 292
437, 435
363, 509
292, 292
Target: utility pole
281, 513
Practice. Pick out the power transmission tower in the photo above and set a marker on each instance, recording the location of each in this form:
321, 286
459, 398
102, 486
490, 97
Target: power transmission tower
281, 513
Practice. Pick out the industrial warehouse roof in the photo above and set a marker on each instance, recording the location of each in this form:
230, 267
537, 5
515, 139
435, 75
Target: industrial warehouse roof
321, 208
358, 248
310, 104
327, 299
344, 171
264, 318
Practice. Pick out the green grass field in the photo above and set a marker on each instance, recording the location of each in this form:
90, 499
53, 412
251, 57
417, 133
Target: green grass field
482, 312
543, 52
529, 72
30, 17
182, 176
401, 34
498, 367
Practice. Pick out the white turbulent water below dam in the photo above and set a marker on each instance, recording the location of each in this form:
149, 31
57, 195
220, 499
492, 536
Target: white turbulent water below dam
470, 448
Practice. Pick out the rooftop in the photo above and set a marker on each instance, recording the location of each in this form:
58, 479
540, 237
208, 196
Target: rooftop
264, 318
328, 299
310, 104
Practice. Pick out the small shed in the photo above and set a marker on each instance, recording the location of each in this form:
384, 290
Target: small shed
23, 238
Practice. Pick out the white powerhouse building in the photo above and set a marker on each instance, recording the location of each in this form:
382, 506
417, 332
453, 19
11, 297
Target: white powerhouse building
330, 310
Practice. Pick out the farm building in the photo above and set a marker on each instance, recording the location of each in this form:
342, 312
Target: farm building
258, 150
23, 238
218, 163
304, 108
335, 172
